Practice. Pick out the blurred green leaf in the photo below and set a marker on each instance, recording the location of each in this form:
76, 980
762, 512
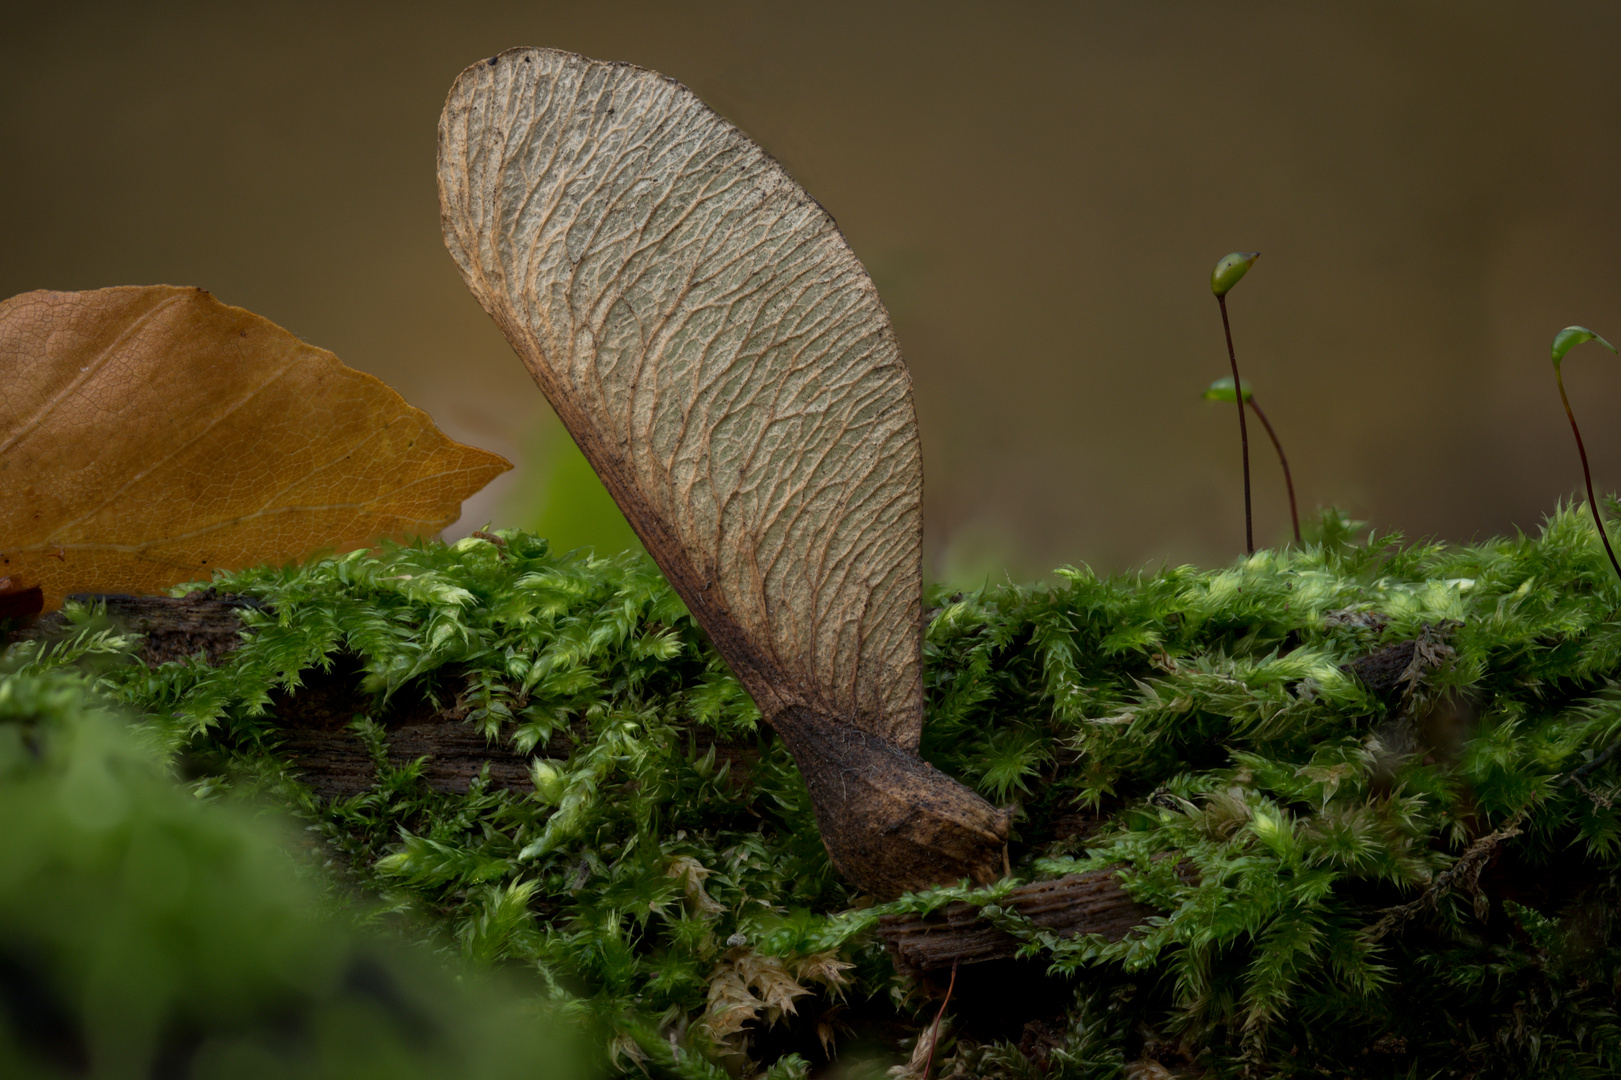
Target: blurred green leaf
568, 504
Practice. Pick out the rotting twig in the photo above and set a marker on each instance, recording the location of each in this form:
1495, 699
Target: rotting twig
1466, 870
1575, 775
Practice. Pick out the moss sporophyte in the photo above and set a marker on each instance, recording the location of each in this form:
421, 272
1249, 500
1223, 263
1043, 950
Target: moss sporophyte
1564, 341
1229, 272
1222, 390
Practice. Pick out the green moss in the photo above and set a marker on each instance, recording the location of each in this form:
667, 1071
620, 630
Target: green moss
143, 933
687, 917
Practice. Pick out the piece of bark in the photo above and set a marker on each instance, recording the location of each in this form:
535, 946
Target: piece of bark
315, 736
204, 621
1382, 671
1091, 903
1402, 665
334, 762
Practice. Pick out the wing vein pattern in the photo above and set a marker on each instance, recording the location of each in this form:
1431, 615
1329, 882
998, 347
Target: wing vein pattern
721, 357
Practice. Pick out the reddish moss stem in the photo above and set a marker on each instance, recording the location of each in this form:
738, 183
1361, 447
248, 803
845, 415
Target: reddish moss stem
934, 1032
1587, 474
1243, 431
1288, 480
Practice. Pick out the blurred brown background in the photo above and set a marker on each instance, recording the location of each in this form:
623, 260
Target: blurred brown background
1039, 190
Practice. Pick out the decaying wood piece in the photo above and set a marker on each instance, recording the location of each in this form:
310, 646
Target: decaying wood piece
336, 764
315, 736
1089, 903
724, 362
204, 621
331, 758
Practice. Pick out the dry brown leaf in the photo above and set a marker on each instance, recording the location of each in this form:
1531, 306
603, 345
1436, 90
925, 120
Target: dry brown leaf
747, 985
770, 981
825, 968
624, 1049
930, 1039
731, 1004
149, 436
829, 1026
691, 873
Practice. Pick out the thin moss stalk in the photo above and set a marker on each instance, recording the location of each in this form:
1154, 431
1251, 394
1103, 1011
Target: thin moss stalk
1563, 342
1227, 273
1222, 390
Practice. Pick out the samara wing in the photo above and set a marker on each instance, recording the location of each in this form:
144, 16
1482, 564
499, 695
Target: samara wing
720, 356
